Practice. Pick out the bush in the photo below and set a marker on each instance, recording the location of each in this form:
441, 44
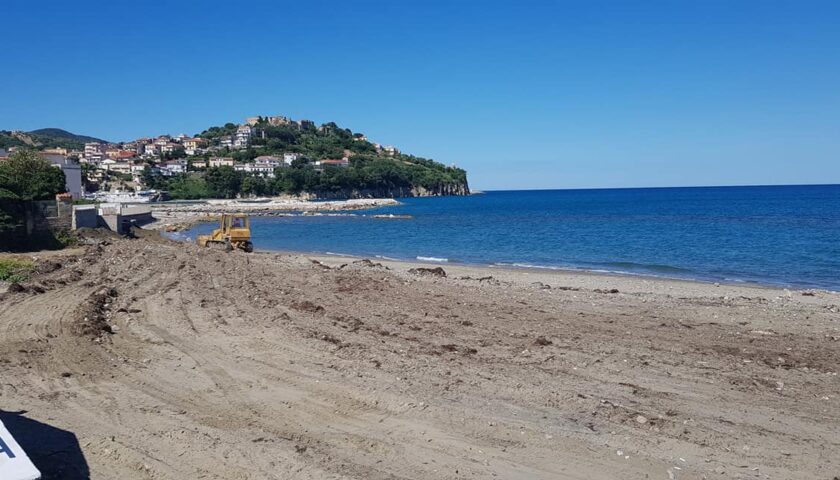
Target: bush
66, 238
14, 270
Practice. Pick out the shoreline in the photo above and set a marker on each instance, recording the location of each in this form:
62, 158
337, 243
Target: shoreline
544, 273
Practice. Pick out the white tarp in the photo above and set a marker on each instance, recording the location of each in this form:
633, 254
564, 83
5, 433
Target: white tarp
14, 464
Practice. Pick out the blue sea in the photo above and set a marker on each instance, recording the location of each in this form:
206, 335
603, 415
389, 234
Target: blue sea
774, 235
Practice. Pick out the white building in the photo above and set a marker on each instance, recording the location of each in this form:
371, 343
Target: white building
263, 169
175, 166
94, 152
72, 173
151, 150
271, 160
243, 135
320, 165
221, 162
288, 158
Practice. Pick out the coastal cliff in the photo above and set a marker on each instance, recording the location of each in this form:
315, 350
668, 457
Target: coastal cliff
449, 189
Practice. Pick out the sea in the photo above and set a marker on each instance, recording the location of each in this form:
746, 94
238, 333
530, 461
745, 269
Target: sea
771, 235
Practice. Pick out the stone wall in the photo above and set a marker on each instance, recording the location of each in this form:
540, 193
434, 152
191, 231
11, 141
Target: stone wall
25, 223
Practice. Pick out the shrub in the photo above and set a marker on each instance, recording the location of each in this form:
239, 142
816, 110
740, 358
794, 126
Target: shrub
14, 270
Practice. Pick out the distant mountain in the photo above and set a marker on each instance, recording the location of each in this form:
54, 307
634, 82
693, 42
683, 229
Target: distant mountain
59, 134
45, 138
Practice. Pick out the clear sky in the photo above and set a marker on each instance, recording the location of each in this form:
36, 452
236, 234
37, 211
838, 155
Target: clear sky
523, 94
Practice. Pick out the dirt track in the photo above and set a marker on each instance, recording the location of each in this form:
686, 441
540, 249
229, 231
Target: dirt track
170, 362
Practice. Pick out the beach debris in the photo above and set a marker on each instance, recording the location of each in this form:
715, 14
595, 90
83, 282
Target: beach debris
602, 290
488, 278
369, 264
329, 338
307, 306
435, 272
451, 347
541, 286
319, 264
641, 419
542, 341
92, 316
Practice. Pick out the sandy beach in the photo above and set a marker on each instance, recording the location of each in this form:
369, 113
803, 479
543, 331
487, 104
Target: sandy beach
160, 360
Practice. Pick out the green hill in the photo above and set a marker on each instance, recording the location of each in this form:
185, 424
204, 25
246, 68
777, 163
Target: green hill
372, 171
57, 134
45, 138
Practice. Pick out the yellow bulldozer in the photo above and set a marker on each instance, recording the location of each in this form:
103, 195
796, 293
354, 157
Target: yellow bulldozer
234, 232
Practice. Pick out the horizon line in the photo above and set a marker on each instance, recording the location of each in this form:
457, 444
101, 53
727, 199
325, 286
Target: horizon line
480, 190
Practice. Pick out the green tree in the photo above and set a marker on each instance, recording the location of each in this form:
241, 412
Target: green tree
254, 185
223, 182
27, 176
188, 187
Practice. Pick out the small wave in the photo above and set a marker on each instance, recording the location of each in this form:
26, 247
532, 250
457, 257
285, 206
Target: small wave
432, 259
529, 265
383, 257
632, 266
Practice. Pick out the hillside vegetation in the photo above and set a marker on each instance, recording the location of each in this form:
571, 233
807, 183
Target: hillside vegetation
371, 172
45, 138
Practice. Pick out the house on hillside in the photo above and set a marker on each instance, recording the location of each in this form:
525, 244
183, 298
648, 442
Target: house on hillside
243, 135
192, 146
94, 152
169, 147
321, 164
198, 164
151, 150
221, 162
175, 167
278, 120
262, 169
288, 158
269, 160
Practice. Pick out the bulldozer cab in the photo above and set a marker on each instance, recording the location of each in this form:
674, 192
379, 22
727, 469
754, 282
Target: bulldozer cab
236, 227
236, 222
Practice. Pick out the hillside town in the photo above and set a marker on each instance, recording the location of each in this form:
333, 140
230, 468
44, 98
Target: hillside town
104, 169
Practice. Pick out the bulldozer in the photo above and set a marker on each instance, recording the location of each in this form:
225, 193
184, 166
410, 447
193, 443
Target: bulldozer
234, 232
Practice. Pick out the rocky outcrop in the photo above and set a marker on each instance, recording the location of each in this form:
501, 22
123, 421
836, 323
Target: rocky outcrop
397, 192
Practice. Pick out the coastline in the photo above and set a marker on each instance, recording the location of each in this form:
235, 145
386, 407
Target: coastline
567, 278
182, 216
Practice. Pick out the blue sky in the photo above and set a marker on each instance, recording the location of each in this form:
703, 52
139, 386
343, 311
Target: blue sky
538, 94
